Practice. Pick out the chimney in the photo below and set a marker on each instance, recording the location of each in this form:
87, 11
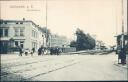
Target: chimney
23, 19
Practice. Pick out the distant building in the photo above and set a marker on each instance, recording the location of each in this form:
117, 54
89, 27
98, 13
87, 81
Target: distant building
24, 33
58, 41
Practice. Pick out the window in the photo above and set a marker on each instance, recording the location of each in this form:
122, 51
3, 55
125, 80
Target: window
16, 32
1, 32
35, 34
22, 44
32, 33
21, 32
6, 32
16, 43
1, 22
34, 45
16, 22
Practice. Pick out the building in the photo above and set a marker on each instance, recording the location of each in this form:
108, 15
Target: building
58, 41
99, 45
23, 33
119, 42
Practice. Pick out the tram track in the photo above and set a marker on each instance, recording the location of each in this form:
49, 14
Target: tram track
54, 68
14, 65
19, 62
27, 66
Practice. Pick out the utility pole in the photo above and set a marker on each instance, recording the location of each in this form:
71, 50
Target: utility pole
122, 25
127, 17
46, 26
123, 51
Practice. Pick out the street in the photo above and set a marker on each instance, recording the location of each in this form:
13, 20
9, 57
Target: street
61, 68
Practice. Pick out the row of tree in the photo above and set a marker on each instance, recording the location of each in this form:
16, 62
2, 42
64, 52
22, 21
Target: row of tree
83, 41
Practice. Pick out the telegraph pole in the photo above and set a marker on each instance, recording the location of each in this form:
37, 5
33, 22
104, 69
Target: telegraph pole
127, 18
123, 51
122, 25
46, 26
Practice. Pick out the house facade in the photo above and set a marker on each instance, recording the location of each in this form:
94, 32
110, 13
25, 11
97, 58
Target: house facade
23, 33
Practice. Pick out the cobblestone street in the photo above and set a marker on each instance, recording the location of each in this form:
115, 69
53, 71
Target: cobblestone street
63, 67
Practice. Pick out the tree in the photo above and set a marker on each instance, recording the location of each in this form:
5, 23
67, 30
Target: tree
73, 43
84, 41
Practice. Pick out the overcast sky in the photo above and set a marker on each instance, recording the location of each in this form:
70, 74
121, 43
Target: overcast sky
97, 17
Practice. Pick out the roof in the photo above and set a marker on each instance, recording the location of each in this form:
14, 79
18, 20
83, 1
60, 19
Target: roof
40, 28
1, 20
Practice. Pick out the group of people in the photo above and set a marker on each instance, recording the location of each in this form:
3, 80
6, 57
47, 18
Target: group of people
26, 51
55, 51
52, 50
41, 51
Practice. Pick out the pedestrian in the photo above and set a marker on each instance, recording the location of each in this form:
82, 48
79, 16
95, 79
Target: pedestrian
51, 51
119, 56
20, 51
39, 51
26, 52
57, 51
123, 56
32, 52
42, 50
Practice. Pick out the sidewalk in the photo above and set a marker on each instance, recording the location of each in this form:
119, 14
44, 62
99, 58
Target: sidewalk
120, 65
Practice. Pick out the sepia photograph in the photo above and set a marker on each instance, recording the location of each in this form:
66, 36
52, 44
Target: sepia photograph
63, 40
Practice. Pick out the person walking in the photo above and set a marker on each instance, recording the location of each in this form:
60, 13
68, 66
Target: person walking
39, 51
20, 51
33, 51
123, 56
27, 51
51, 51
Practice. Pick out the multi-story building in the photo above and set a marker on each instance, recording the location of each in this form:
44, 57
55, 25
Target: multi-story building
23, 33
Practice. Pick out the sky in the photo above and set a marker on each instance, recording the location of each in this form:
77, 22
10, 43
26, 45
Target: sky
96, 17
